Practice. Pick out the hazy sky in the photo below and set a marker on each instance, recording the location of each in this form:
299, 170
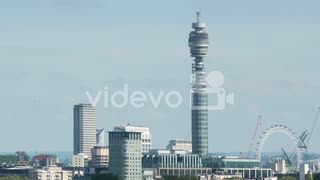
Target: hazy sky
52, 52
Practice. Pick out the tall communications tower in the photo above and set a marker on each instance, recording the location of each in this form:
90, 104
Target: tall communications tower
198, 43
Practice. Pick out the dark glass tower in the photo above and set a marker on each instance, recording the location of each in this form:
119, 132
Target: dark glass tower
198, 43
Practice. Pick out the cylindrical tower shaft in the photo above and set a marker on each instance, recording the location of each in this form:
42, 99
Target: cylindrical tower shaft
198, 43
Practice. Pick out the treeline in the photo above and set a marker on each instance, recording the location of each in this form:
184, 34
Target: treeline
107, 176
13, 178
313, 177
180, 178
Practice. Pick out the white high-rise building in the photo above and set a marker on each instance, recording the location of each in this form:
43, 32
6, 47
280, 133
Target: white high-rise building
146, 140
84, 128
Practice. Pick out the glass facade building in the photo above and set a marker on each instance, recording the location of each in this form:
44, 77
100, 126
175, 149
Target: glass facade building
175, 163
247, 168
200, 123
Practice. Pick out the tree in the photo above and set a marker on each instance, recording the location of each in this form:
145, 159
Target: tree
14, 178
316, 176
309, 177
288, 178
107, 176
179, 178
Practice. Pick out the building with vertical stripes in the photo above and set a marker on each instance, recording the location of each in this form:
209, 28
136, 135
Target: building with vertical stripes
84, 128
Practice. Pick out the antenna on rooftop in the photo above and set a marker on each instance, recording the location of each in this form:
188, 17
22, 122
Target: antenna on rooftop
198, 16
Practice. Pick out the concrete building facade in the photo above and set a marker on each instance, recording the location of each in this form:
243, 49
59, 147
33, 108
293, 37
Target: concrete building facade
80, 160
278, 166
180, 144
50, 173
100, 157
146, 139
176, 163
247, 168
125, 155
84, 128
51, 160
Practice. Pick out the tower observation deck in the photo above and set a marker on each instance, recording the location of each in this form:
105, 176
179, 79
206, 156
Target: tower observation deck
198, 43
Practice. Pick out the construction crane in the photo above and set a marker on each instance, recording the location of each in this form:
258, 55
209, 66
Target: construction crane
287, 157
189, 134
305, 137
254, 136
313, 127
302, 139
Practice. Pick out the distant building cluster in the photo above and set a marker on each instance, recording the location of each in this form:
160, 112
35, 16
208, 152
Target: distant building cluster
129, 154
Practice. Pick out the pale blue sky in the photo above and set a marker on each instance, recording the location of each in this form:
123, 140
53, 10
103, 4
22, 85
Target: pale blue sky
52, 52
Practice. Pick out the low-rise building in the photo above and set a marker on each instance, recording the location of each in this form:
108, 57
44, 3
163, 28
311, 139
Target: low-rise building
50, 173
45, 160
180, 144
100, 157
51, 160
248, 168
80, 160
314, 165
278, 166
176, 163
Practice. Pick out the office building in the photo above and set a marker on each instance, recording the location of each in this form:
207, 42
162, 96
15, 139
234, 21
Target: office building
51, 160
247, 168
176, 163
84, 128
180, 144
50, 173
125, 155
198, 43
100, 157
146, 141
80, 160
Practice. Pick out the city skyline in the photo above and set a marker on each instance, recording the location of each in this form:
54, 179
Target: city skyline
268, 60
